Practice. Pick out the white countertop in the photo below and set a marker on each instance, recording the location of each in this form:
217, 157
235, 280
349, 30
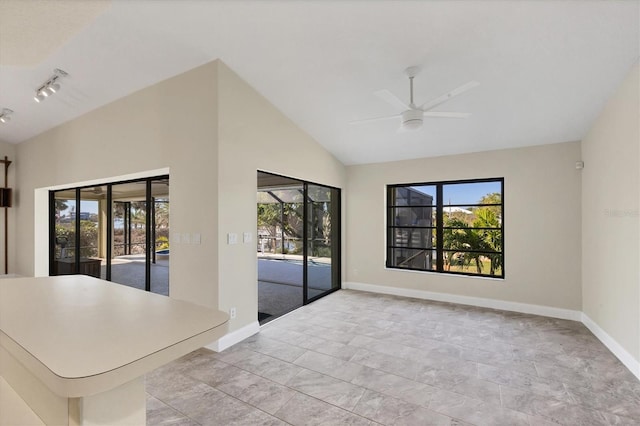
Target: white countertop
81, 335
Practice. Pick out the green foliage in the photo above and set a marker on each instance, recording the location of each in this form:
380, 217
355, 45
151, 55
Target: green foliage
490, 239
288, 221
88, 238
162, 214
162, 243
465, 236
138, 214
492, 198
274, 218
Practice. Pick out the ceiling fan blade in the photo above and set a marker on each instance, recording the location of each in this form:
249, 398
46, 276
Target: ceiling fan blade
447, 96
440, 114
391, 99
370, 120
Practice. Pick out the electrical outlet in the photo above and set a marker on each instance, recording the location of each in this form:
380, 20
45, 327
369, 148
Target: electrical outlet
232, 313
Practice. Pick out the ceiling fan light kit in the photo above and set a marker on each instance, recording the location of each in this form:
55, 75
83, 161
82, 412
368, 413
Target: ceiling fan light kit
412, 116
412, 119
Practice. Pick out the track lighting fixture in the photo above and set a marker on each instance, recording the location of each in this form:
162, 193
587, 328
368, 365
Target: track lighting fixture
5, 115
50, 86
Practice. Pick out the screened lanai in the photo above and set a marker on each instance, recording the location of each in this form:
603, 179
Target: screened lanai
290, 272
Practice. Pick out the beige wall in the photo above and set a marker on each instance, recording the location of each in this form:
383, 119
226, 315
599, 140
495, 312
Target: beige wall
172, 125
610, 224
9, 150
541, 224
253, 136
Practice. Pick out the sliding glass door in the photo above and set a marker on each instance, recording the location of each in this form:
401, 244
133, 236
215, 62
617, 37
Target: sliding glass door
121, 231
298, 243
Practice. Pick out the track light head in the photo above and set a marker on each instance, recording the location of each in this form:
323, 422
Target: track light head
50, 86
5, 115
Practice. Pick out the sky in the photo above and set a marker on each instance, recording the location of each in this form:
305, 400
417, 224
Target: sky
86, 207
462, 193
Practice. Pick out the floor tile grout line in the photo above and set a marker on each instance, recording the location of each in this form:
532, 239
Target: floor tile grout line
255, 406
176, 410
226, 394
288, 387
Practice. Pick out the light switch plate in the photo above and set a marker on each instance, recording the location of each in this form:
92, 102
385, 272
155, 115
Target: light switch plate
176, 239
246, 237
232, 238
196, 239
186, 239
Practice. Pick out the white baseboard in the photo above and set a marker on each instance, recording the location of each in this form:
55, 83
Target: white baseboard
621, 353
234, 337
625, 357
504, 305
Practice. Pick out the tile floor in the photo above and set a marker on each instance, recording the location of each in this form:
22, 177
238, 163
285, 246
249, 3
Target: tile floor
355, 358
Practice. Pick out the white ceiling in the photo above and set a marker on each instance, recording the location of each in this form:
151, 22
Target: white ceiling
545, 67
32, 30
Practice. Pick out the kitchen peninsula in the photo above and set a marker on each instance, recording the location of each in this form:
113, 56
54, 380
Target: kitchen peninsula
76, 348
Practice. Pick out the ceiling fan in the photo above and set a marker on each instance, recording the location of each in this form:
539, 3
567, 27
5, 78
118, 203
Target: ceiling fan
412, 115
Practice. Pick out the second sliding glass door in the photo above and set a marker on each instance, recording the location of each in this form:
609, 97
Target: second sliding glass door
298, 243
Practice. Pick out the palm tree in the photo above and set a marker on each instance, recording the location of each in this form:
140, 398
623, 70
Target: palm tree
138, 214
162, 213
458, 235
490, 240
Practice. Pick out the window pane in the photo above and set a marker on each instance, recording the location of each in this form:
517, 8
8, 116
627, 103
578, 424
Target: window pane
264, 197
472, 193
473, 263
92, 201
293, 228
292, 195
472, 216
413, 259
413, 237
485, 240
414, 195
160, 235
413, 216
65, 232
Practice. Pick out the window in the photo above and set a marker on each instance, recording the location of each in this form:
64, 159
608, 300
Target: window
448, 227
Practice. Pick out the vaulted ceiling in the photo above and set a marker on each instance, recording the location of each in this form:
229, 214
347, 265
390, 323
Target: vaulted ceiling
545, 68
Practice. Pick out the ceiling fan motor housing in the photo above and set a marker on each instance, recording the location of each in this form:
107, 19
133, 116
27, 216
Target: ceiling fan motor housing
412, 118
